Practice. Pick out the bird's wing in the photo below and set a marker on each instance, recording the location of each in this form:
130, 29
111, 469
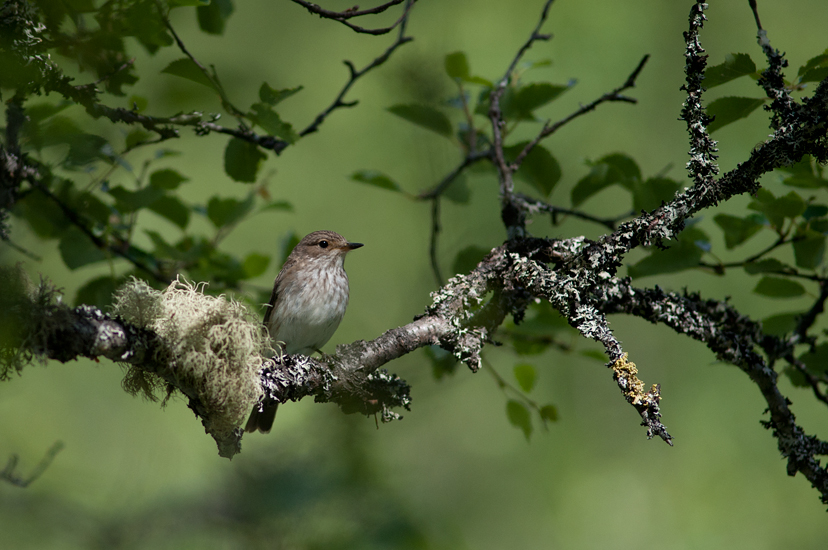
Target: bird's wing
271, 305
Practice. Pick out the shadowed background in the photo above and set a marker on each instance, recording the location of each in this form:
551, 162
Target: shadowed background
454, 473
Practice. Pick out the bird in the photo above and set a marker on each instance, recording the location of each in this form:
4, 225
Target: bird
310, 295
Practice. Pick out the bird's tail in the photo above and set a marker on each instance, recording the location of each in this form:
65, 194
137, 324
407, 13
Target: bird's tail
261, 420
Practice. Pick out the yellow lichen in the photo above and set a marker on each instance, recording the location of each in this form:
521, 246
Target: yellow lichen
626, 373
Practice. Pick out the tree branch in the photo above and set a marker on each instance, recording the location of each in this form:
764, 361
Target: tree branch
356, 75
734, 338
350, 13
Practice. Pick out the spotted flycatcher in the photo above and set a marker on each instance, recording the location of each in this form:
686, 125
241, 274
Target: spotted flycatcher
309, 298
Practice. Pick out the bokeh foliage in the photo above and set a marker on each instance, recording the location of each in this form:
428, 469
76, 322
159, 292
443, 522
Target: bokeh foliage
153, 208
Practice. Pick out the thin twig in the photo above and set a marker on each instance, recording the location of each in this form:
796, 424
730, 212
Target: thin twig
772, 80
346, 14
812, 380
505, 386
531, 205
343, 16
225, 101
809, 318
117, 249
9, 474
355, 75
471, 158
435, 232
512, 217
550, 128
20, 249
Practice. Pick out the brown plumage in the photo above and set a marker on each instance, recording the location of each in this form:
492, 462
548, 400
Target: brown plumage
309, 299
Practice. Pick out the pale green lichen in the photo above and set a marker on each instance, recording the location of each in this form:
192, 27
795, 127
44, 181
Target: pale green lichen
212, 346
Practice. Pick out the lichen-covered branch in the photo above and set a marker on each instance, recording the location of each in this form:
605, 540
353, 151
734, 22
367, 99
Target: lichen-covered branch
736, 339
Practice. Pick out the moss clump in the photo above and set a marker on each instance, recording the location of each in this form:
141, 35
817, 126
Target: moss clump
213, 348
28, 313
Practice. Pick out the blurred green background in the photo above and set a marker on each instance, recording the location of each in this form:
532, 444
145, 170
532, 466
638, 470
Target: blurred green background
454, 473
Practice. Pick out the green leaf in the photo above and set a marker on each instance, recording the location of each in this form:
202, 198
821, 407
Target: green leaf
730, 109
38, 112
42, 214
815, 211
179, 3
269, 119
802, 175
775, 287
737, 230
137, 137
815, 75
734, 66
777, 209
529, 346
609, 170
790, 205
284, 206
228, 211
528, 98
539, 169
255, 265
377, 179
186, 68
796, 378
545, 319
212, 18
98, 292
77, 250
173, 209
805, 182
424, 116
648, 195
518, 416
816, 360
549, 412
809, 248
137, 103
457, 66
771, 265
458, 191
242, 160
90, 206
815, 70
682, 255
468, 258
33, 133
167, 179
131, 201
526, 376
87, 148
781, 324
443, 363
163, 249
272, 97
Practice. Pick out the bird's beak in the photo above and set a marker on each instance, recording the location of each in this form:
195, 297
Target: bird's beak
353, 246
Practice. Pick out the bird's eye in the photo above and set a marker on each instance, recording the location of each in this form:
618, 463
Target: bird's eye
323, 244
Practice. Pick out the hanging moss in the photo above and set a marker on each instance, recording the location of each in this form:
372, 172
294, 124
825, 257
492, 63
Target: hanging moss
213, 348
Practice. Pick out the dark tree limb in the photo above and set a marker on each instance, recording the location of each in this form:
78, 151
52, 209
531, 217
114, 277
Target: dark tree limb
734, 338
